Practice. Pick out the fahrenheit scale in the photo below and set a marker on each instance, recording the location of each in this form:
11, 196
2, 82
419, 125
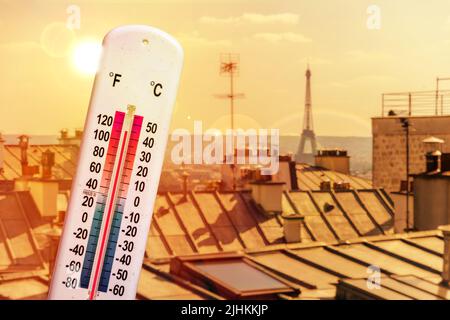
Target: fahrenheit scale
112, 197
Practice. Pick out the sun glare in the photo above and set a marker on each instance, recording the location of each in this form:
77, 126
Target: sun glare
86, 56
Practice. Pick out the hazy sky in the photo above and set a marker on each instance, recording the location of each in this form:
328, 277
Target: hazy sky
41, 91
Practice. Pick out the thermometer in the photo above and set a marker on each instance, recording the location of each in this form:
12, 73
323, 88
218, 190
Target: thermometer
105, 232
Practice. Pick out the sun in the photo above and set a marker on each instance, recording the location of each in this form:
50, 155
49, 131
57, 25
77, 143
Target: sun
86, 56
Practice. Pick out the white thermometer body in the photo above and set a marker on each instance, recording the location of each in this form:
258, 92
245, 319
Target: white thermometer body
113, 193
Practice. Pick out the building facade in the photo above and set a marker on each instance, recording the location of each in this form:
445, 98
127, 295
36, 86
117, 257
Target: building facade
389, 147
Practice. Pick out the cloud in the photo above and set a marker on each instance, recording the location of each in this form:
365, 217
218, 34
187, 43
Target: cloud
195, 39
254, 18
284, 36
367, 56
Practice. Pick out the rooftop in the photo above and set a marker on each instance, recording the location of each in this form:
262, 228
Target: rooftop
208, 222
65, 160
409, 267
309, 177
19, 248
195, 228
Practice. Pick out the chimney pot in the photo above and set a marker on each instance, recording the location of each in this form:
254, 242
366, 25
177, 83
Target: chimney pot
78, 134
64, 134
185, 177
292, 227
433, 161
325, 185
27, 171
23, 144
60, 216
433, 153
47, 161
341, 186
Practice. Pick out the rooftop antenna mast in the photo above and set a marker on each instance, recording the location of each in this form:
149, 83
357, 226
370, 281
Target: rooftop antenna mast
229, 66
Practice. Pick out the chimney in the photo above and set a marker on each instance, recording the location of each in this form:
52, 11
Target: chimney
64, 133
23, 144
47, 161
433, 146
333, 159
325, 185
433, 161
268, 195
59, 219
185, 177
292, 227
45, 195
287, 172
341, 186
78, 134
27, 171
446, 257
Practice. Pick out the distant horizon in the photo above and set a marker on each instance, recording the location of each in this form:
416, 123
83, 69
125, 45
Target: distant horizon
14, 135
359, 148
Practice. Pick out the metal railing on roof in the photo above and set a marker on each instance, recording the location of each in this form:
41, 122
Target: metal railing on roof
416, 103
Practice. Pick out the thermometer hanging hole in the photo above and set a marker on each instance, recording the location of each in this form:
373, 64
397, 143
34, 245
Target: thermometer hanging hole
145, 42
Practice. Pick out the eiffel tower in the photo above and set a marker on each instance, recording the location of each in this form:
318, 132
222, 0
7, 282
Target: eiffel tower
308, 130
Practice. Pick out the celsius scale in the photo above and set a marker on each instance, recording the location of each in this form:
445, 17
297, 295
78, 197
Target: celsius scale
105, 232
